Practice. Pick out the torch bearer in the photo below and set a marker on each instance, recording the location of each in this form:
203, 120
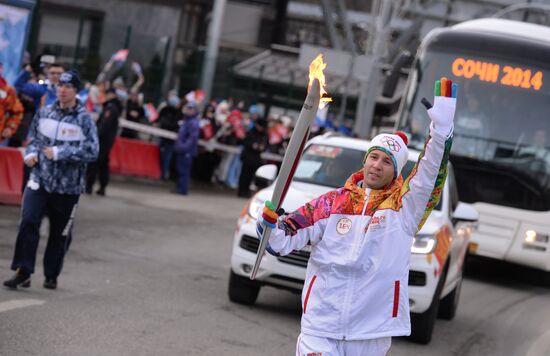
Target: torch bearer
314, 100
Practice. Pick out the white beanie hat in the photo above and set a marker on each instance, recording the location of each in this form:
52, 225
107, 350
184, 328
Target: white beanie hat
395, 146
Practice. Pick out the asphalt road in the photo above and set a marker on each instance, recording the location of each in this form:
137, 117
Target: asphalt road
147, 275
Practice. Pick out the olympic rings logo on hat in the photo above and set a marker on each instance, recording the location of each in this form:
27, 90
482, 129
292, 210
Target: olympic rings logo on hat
391, 143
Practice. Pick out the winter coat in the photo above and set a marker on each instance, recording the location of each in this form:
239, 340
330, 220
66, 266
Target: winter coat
34, 90
11, 110
188, 137
356, 285
254, 144
169, 117
73, 136
132, 106
107, 124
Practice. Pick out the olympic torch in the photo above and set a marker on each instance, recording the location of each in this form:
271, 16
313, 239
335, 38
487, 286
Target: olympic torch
314, 100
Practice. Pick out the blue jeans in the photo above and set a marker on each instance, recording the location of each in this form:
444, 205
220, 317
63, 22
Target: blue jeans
234, 171
61, 210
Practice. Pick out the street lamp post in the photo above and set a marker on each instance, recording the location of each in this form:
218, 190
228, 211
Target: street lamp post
369, 86
213, 43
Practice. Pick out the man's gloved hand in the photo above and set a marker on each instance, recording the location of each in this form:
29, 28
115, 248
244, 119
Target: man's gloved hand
442, 113
268, 218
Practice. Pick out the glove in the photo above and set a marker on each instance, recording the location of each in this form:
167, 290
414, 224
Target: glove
268, 218
442, 113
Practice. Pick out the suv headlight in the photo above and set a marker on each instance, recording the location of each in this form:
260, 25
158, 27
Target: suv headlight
423, 244
254, 207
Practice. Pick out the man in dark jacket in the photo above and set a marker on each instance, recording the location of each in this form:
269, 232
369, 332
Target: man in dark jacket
186, 146
169, 118
134, 113
107, 130
255, 143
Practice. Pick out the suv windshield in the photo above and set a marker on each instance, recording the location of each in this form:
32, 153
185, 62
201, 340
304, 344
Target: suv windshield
328, 165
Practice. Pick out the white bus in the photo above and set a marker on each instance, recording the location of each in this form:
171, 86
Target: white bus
501, 148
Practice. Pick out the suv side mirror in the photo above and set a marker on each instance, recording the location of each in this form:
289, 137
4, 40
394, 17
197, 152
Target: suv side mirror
267, 172
465, 212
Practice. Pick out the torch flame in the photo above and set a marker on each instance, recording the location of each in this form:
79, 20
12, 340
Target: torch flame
316, 68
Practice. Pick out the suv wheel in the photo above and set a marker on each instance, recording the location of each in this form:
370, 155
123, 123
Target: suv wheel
422, 324
242, 290
449, 304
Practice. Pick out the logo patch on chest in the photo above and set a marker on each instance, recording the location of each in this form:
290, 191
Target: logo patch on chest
69, 133
376, 223
343, 226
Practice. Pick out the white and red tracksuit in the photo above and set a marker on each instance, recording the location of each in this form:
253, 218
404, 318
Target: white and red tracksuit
357, 275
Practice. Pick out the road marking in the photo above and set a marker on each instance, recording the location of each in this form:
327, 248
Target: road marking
19, 303
541, 345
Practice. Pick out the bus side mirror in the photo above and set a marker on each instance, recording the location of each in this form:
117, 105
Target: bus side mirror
393, 75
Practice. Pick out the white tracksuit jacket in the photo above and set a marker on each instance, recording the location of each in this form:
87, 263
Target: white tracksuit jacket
356, 285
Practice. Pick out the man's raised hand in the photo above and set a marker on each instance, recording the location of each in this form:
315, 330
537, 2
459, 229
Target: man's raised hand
442, 112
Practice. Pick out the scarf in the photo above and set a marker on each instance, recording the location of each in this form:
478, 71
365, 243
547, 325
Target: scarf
388, 197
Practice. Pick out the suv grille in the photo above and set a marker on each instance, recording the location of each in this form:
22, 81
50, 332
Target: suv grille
417, 278
249, 243
296, 258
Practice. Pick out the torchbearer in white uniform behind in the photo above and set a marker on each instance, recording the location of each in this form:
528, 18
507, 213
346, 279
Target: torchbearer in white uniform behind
355, 295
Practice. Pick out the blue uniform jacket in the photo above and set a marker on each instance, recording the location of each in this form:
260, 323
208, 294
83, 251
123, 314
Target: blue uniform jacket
73, 136
33, 90
188, 136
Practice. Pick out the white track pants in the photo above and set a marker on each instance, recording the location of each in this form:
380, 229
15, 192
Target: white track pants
308, 345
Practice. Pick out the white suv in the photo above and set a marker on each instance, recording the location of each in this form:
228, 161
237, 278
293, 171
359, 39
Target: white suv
438, 250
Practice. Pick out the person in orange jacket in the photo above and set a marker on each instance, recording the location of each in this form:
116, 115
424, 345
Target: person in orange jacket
11, 110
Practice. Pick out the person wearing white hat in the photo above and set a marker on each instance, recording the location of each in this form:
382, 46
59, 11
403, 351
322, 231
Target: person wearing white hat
355, 296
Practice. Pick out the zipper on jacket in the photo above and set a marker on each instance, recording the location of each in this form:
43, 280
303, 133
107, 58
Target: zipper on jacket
367, 195
358, 240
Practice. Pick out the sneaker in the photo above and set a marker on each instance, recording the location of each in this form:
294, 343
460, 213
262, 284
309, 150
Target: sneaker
101, 192
50, 283
19, 279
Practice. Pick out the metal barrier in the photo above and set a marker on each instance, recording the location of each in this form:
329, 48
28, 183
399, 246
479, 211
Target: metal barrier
209, 145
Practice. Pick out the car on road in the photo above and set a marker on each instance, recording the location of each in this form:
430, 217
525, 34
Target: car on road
437, 253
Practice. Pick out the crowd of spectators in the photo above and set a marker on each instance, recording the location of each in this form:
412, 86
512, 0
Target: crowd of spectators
245, 128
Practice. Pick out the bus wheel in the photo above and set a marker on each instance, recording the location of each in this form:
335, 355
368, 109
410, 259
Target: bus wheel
242, 290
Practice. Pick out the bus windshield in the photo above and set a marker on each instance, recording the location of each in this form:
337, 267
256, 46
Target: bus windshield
501, 145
